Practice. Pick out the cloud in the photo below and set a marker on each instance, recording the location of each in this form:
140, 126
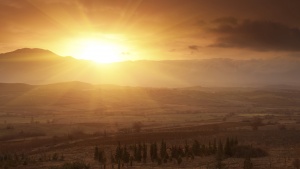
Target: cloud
226, 20
11, 3
257, 35
194, 47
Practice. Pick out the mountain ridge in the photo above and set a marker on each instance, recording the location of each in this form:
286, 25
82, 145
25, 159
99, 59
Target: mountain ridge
29, 54
215, 72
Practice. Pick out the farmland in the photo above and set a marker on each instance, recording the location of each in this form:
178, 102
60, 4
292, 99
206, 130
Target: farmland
60, 123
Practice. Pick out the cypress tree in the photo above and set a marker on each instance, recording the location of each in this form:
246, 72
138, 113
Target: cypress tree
155, 151
139, 153
112, 160
196, 148
126, 155
227, 148
220, 150
118, 154
163, 149
151, 152
236, 142
186, 148
215, 146
144, 152
203, 149
135, 153
96, 153
210, 148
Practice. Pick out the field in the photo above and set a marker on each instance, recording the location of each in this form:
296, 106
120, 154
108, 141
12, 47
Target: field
51, 125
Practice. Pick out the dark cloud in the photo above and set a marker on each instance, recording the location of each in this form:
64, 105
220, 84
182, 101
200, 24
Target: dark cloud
201, 23
226, 20
258, 35
194, 47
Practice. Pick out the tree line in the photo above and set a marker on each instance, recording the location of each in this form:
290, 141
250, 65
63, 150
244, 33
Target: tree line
160, 153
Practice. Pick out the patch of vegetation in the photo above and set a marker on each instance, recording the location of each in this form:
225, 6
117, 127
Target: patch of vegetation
72, 165
245, 151
162, 153
21, 135
8, 160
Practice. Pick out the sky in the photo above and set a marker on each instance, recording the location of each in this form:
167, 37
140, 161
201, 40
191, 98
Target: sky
155, 29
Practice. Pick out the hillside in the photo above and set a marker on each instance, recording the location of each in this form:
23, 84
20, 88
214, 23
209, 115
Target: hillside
79, 96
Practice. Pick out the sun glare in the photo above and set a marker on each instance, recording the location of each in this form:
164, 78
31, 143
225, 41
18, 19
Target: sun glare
98, 51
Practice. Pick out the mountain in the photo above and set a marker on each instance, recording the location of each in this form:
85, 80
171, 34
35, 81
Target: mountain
38, 66
28, 54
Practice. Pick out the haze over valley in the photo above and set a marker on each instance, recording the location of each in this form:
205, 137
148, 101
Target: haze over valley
140, 84
39, 66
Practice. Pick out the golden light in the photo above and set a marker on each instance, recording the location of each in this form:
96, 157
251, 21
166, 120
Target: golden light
97, 50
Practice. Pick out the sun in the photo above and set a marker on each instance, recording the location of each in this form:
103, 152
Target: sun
98, 50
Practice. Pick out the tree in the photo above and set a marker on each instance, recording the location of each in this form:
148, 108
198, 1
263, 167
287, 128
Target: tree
137, 126
228, 148
144, 153
219, 163
118, 154
220, 149
179, 160
112, 160
96, 153
131, 161
186, 149
235, 141
99, 155
248, 163
126, 155
210, 148
159, 161
256, 122
203, 149
196, 148
174, 152
215, 146
153, 151
119, 164
163, 149
138, 152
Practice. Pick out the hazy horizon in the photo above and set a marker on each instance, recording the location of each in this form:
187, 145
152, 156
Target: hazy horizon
40, 66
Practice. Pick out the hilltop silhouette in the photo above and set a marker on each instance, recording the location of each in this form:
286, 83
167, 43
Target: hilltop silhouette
39, 66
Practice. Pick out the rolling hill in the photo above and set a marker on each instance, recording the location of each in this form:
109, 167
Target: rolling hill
79, 96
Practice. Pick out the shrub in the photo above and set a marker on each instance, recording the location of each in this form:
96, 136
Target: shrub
248, 151
281, 127
137, 126
55, 157
256, 122
296, 163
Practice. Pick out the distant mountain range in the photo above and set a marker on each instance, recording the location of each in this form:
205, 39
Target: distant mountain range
38, 66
